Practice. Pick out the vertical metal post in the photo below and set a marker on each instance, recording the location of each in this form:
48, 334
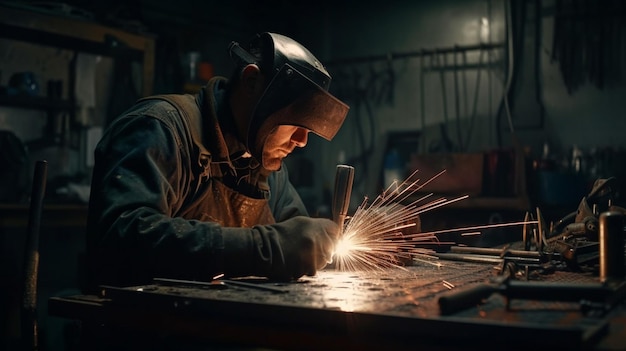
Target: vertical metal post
611, 246
31, 258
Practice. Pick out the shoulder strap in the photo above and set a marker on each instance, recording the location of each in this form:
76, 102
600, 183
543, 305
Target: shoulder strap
188, 109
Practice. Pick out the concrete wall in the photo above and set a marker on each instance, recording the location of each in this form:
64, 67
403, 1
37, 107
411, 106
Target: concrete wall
413, 93
589, 117
409, 91
464, 98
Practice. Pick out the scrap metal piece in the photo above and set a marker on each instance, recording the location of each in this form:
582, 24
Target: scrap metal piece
219, 282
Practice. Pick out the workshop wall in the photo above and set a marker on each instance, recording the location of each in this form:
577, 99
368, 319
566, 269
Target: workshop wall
58, 138
387, 66
387, 95
105, 87
408, 82
459, 108
459, 93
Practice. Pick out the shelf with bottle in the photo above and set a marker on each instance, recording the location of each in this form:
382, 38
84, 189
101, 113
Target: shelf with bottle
28, 23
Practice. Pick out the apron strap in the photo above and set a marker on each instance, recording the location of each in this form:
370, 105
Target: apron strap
188, 109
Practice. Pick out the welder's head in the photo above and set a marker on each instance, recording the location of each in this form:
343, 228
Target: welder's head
296, 93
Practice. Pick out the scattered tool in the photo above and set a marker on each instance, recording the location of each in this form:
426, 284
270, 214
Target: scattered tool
602, 295
457, 300
595, 231
574, 239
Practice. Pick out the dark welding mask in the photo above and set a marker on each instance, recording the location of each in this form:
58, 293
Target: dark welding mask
297, 93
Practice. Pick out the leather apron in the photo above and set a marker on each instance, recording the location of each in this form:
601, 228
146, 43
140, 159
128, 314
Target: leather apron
218, 203
213, 201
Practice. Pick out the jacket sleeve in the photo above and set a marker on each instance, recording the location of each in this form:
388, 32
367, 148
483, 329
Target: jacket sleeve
284, 201
140, 178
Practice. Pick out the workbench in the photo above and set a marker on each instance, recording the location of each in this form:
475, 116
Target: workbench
391, 309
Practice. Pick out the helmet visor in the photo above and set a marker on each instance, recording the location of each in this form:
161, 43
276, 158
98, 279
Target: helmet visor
293, 99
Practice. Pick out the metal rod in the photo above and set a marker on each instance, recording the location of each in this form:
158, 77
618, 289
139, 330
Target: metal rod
409, 54
31, 259
504, 252
236, 283
487, 258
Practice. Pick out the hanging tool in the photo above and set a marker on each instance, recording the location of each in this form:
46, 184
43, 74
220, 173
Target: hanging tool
344, 177
460, 299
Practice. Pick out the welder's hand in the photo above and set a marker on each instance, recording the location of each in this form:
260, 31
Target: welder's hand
307, 244
283, 251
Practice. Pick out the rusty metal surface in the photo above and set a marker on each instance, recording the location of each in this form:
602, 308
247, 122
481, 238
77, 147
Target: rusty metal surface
411, 292
395, 297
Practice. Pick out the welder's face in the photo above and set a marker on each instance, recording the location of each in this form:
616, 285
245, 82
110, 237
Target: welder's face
280, 142
290, 107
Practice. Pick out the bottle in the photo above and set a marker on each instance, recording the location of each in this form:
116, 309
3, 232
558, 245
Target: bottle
546, 162
577, 162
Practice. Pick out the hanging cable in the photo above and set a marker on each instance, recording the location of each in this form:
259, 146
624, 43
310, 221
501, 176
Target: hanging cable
511, 56
509, 75
475, 103
423, 102
457, 102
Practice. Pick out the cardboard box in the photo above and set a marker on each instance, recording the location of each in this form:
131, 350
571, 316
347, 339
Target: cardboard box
463, 172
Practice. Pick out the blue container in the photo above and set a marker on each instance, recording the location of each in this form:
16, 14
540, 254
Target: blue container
560, 189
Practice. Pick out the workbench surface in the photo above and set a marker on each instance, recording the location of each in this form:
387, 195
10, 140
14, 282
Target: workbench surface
363, 310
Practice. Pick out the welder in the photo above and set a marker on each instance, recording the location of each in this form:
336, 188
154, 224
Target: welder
191, 186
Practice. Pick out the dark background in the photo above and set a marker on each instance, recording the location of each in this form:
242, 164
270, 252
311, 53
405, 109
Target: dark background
413, 73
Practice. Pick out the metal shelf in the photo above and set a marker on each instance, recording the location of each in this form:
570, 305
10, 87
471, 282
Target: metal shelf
29, 25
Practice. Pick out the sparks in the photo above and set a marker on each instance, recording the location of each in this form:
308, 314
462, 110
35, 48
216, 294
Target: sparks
375, 237
387, 234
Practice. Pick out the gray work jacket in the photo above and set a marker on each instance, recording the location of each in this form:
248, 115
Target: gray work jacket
148, 172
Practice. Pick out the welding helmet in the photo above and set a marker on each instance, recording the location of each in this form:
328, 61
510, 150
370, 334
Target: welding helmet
297, 92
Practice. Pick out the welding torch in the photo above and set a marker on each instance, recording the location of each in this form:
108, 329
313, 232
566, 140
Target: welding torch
344, 177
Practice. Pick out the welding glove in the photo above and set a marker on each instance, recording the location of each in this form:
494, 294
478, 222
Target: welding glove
281, 251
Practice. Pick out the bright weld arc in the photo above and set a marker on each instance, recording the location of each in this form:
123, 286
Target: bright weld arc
373, 239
